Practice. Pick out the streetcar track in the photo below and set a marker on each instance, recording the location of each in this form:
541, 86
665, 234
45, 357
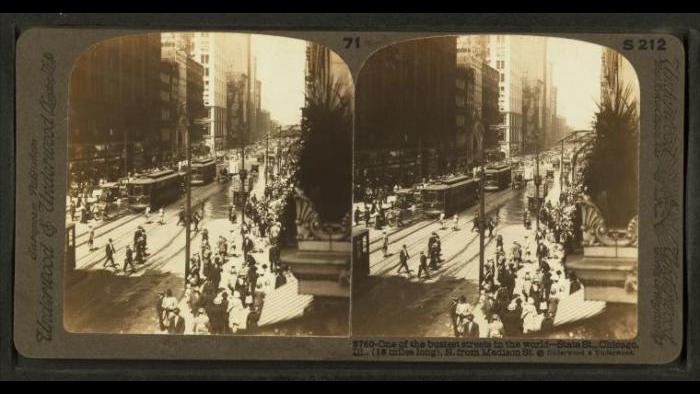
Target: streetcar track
403, 236
156, 252
464, 213
447, 237
172, 214
470, 241
378, 239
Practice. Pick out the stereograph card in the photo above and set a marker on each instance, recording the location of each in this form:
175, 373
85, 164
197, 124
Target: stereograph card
349, 196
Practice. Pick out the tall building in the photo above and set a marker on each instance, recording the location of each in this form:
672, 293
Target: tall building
464, 116
325, 68
256, 131
220, 54
507, 55
406, 113
115, 102
482, 95
617, 73
182, 88
537, 90
470, 63
490, 113
237, 108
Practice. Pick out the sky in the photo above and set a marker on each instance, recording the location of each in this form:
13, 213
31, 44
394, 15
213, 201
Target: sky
281, 66
576, 74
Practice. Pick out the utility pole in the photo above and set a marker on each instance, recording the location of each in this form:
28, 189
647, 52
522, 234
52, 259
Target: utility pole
561, 168
267, 155
243, 172
126, 157
482, 208
188, 201
538, 181
279, 150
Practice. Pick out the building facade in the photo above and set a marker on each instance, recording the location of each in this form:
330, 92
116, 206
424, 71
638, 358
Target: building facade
617, 73
219, 54
506, 55
114, 118
406, 113
237, 108
491, 115
482, 93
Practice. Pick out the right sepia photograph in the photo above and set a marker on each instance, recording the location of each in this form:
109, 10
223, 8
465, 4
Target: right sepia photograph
495, 190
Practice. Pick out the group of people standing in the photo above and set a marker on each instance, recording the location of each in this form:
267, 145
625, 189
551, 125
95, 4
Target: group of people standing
226, 287
521, 287
227, 283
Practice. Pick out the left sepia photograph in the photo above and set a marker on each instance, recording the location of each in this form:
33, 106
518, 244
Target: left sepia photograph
210, 187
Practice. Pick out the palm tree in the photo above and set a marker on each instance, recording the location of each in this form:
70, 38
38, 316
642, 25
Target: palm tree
325, 162
612, 173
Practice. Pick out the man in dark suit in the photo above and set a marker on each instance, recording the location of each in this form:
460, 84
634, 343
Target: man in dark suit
423, 265
403, 260
109, 255
177, 323
129, 259
471, 328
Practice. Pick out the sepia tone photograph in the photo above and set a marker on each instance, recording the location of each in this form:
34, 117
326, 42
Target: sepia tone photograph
209, 187
495, 190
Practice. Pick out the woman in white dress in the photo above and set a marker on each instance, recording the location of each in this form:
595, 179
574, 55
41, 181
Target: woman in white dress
495, 327
532, 322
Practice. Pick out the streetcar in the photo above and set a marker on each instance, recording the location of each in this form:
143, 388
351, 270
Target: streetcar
449, 196
108, 201
519, 180
154, 189
497, 177
203, 171
406, 208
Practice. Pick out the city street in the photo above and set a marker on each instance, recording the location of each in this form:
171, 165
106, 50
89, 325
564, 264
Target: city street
108, 300
393, 304
419, 307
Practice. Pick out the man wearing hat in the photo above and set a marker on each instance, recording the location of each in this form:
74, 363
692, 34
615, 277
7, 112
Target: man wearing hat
129, 259
385, 243
159, 310
403, 260
181, 216
109, 255
423, 265
471, 328
177, 323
